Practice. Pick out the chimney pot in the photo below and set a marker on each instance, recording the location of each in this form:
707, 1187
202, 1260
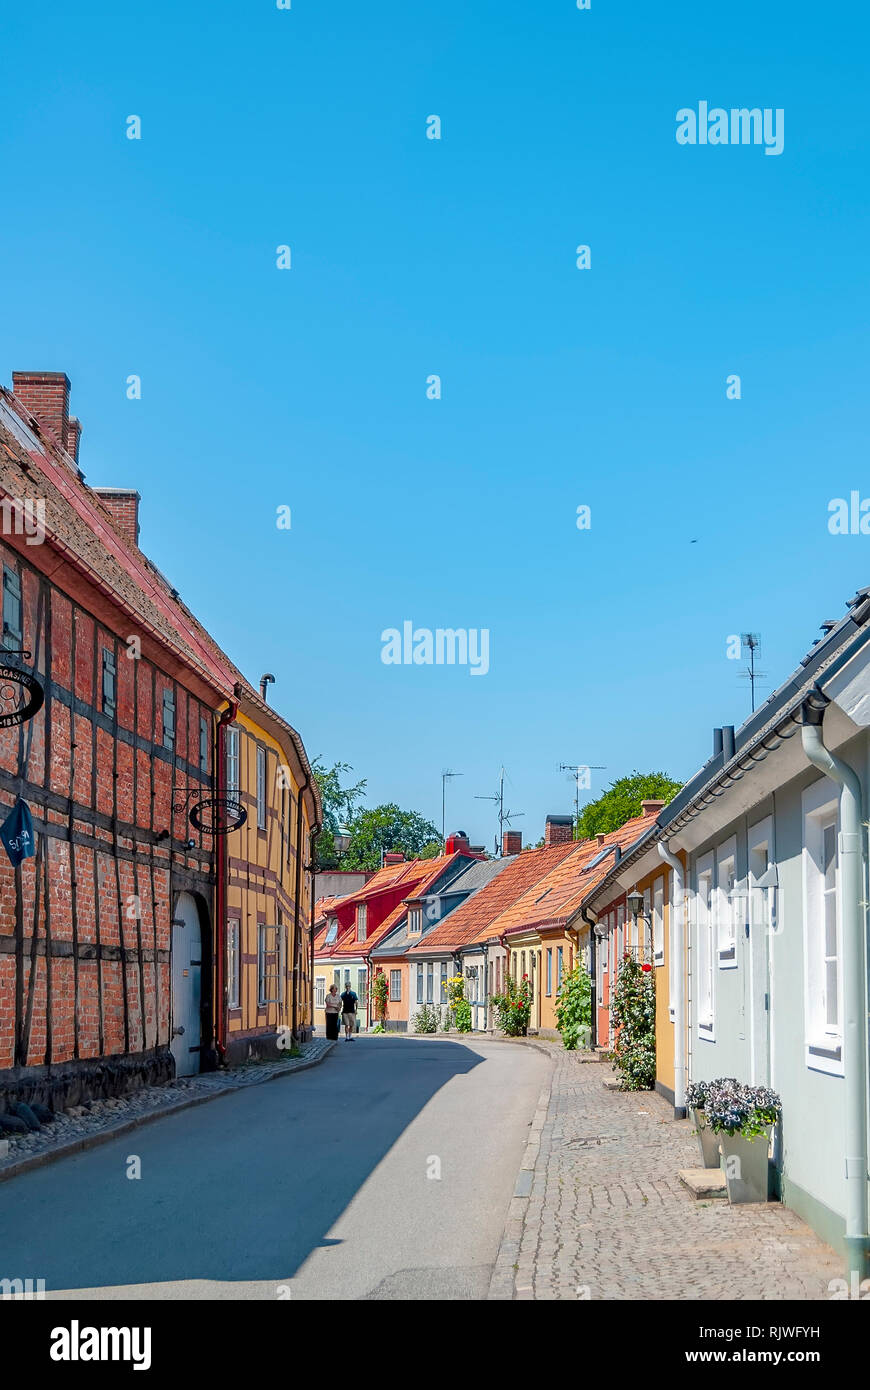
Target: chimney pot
123, 504
601, 837
511, 842
558, 830
652, 806
393, 856
45, 395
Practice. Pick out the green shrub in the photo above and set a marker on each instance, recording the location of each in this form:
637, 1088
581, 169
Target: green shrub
574, 1006
633, 1011
426, 1019
513, 1008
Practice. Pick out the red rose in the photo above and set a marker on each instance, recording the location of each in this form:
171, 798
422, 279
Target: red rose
646, 967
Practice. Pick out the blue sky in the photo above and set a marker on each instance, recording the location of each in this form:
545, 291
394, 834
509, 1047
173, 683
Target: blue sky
561, 387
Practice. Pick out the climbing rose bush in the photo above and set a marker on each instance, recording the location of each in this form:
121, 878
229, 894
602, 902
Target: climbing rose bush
513, 1008
633, 1011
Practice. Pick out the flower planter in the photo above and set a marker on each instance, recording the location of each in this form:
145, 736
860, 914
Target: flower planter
746, 1167
707, 1140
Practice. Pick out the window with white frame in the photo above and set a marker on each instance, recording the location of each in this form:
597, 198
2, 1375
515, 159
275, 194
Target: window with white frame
550, 970
762, 875
705, 955
415, 921
232, 758
559, 967
362, 978
644, 928
824, 1029
727, 904
419, 984
262, 958
261, 787
361, 926
319, 991
620, 934
443, 982
233, 961
282, 959
395, 986
658, 922
430, 982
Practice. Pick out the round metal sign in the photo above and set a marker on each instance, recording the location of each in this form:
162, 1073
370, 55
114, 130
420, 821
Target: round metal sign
21, 696
218, 815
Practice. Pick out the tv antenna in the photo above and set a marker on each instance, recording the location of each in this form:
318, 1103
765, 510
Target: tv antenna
751, 641
575, 769
445, 777
504, 817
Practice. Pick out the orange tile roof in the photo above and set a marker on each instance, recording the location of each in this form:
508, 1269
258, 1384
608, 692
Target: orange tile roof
569, 885
418, 875
471, 921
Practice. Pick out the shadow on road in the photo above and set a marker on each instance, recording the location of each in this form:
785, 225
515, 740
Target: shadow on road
243, 1188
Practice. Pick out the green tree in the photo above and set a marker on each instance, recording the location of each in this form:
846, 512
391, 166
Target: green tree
339, 803
374, 832
622, 801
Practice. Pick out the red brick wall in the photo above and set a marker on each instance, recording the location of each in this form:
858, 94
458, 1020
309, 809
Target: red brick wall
101, 986
124, 505
46, 396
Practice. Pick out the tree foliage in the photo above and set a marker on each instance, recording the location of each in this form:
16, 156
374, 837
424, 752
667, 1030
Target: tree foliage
622, 801
382, 828
339, 803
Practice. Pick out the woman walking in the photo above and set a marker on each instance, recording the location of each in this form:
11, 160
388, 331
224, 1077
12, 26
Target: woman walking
332, 1005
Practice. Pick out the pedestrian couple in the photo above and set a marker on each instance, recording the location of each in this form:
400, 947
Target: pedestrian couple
344, 1004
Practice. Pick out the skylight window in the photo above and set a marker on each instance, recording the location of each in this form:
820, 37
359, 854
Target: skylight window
332, 933
598, 858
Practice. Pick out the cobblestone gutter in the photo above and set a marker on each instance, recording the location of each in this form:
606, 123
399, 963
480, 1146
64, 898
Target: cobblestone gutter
84, 1126
598, 1211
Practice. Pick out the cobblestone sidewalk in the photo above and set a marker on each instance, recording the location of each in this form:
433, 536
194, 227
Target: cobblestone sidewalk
82, 1126
599, 1212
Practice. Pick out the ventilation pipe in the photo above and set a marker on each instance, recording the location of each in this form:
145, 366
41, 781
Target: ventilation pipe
851, 859
677, 969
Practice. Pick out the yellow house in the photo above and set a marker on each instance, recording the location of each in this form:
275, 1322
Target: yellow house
268, 870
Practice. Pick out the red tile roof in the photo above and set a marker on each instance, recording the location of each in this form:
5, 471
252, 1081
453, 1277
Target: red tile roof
418, 875
472, 920
556, 898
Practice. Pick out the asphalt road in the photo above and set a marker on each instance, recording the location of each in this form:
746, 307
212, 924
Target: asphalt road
320, 1186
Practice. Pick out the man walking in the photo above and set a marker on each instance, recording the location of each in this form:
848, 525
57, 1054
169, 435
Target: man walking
348, 1012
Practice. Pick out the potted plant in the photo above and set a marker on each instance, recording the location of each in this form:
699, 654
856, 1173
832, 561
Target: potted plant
697, 1096
743, 1117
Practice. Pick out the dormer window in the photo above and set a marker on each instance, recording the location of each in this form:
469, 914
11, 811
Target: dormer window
361, 922
415, 921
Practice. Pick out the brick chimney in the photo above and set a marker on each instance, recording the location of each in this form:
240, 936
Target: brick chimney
45, 396
558, 830
511, 842
74, 434
652, 807
393, 856
457, 843
123, 503
601, 837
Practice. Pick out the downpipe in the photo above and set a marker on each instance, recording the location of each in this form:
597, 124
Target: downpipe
854, 980
677, 966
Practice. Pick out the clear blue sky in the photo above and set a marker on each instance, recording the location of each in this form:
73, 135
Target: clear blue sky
306, 127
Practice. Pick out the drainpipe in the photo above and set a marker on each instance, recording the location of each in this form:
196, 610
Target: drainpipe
854, 980
220, 895
297, 894
677, 965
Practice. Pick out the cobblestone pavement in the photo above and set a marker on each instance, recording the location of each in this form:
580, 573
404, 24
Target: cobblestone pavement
599, 1212
81, 1125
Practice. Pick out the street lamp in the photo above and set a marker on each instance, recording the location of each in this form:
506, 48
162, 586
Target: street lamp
341, 840
635, 903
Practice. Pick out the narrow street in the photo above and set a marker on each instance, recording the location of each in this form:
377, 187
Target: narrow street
320, 1186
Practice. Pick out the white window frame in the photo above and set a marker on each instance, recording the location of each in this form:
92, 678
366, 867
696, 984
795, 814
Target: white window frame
320, 991
231, 752
705, 945
762, 902
823, 1041
727, 904
362, 987
262, 957
443, 999
415, 921
233, 963
658, 921
361, 921
395, 986
261, 787
674, 967
430, 982
420, 998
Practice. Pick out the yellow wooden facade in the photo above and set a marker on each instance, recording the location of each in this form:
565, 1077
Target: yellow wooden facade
269, 883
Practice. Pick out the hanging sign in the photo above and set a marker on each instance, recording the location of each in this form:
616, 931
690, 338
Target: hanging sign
21, 696
16, 833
